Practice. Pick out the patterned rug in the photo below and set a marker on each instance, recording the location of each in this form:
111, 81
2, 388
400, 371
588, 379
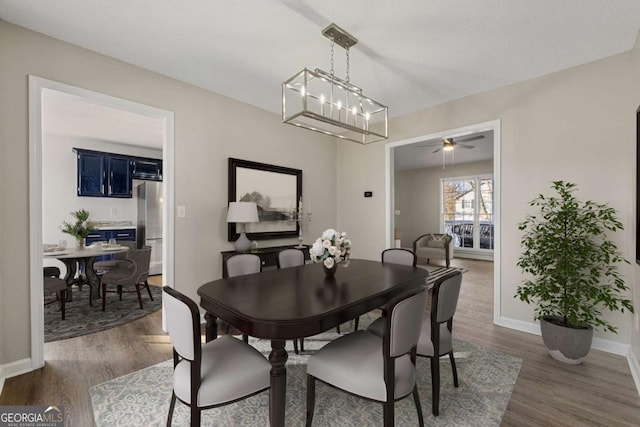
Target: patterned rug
486, 381
82, 319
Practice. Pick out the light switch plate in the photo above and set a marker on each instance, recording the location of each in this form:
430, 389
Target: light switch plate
182, 211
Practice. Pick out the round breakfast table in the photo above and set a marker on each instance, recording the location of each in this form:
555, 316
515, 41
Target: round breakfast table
83, 259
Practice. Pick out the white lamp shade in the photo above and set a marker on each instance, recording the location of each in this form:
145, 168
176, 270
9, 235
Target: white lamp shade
242, 212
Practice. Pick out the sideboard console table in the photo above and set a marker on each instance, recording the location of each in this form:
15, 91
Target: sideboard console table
268, 256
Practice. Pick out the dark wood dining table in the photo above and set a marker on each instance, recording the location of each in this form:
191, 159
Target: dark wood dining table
299, 302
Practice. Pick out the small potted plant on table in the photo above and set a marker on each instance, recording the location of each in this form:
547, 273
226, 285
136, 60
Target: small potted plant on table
575, 272
79, 229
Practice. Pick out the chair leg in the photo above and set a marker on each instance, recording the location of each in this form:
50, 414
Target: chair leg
338, 329
245, 338
356, 323
302, 345
311, 398
146, 285
453, 369
63, 298
195, 415
104, 295
120, 292
388, 414
171, 407
295, 346
435, 384
139, 296
416, 400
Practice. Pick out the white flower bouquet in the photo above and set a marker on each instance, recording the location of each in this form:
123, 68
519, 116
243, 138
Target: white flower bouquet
331, 248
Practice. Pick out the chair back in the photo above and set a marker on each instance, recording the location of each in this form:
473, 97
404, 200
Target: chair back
403, 325
51, 271
445, 297
241, 264
290, 258
183, 323
399, 256
142, 259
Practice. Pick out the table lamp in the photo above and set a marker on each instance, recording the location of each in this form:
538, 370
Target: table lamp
241, 213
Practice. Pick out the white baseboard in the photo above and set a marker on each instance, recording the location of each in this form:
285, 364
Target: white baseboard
534, 328
12, 369
473, 255
634, 365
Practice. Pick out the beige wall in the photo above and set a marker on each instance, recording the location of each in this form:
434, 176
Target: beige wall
209, 128
417, 197
574, 125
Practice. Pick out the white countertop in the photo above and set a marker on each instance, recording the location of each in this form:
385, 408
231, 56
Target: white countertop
117, 227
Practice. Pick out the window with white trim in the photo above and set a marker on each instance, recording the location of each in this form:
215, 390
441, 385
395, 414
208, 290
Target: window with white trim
467, 211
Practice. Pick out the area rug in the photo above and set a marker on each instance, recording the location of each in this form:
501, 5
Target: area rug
82, 319
486, 382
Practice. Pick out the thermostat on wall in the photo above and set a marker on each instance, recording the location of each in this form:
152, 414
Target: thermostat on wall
368, 194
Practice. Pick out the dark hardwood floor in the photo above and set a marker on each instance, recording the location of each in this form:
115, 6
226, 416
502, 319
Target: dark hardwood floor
600, 392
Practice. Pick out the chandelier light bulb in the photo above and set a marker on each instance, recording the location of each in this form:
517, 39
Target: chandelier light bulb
302, 91
339, 104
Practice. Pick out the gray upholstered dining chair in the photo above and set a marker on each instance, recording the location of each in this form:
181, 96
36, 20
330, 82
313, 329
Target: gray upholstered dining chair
217, 373
435, 336
53, 284
131, 271
394, 256
239, 265
288, 258
376, 368
106, 265
291, 257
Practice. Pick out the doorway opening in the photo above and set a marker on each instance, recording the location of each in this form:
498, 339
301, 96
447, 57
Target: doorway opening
398, 232
39, 88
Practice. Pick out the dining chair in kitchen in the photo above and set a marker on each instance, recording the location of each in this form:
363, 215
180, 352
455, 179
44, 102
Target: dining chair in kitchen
222, 371
378, 368
131, 271
53, 284
106, 265
435, 336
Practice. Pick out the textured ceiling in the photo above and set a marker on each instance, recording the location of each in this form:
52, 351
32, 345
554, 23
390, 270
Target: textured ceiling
411, 54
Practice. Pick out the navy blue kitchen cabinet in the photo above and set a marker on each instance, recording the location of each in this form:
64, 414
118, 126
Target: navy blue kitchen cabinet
119, 176
110, 175
91, 173
148, 169
128, 234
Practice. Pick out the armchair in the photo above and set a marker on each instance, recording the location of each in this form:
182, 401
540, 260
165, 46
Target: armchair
434, 246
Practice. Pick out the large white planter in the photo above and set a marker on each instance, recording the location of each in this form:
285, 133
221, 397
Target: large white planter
568, 345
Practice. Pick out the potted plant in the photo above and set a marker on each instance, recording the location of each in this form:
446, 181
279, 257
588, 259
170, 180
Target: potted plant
81, 228
574, 269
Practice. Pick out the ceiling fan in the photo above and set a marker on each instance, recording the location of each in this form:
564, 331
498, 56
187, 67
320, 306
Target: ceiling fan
448, 144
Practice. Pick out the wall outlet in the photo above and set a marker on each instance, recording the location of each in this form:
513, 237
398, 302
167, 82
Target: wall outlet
182, 211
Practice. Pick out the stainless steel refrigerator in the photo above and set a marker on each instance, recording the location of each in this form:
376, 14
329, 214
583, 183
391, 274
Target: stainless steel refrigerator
149, 231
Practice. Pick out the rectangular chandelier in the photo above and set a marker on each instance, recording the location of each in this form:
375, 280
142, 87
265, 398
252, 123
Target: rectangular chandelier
321, 102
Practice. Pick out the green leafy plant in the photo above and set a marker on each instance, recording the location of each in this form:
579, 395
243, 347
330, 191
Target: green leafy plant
81, 228
573, 262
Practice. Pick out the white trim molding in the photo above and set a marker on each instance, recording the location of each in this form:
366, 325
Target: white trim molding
634, 365
603, 344
13, 369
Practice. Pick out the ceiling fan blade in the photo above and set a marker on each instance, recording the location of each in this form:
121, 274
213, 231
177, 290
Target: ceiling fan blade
432, 144
437, 149
464, 146
471, 138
